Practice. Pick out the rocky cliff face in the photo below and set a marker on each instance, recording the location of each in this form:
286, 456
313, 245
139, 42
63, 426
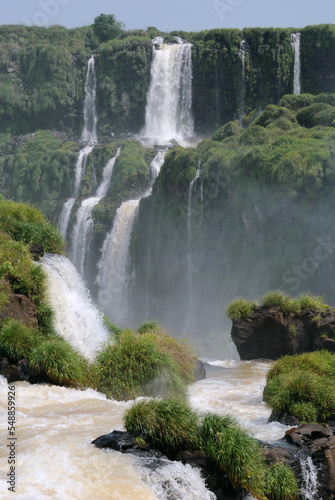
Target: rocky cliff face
267, 333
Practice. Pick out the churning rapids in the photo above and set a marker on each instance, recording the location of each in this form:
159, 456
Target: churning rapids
55, 427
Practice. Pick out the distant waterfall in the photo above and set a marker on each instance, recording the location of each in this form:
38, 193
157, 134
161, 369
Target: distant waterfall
76, 318
68, 205
242, 51
195, 206
295, 42
89, 137
82, 231
113, 275
89, 134
169, 100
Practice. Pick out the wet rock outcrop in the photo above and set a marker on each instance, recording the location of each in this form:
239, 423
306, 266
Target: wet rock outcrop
267, 333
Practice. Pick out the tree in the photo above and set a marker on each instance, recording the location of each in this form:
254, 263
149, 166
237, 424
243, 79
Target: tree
106, 27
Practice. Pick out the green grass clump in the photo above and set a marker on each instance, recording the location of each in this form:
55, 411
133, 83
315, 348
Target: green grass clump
308, 301
137, 366
17, 340
240, 308
279, 299
235, 452
179, 350
170, 424
289, 305
280, 482
56, 359
303, 386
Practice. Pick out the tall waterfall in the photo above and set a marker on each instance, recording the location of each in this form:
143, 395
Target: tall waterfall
89, 138
89, 134
242, 51
195, 207
76, 318
169, 100
295, 42
82, 231
113, 276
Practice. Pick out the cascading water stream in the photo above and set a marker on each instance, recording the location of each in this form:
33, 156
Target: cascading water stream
309, 474
68, 205
169, 102
192, 209
76, 318
295, 42
242, 51
89, 133
113, 277
82, 230
89, 138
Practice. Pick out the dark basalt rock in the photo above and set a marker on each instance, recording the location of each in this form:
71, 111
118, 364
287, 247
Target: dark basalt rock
37, 251
317, 442
266, 333
20, 372
116, 440
199, 370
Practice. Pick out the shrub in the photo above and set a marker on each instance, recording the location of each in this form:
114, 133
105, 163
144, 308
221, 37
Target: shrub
240, 308
228, 130
137, 366
17, 340
56, 359
170, 424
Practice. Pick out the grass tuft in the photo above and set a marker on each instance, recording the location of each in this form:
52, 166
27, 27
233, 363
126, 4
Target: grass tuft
240, 308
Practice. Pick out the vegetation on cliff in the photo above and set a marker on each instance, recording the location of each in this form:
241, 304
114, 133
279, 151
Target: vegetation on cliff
241, 308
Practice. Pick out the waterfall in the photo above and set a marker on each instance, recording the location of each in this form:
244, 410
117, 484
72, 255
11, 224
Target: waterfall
76, 318
242, 51
68, 205
169, 100
89, 138
192, 208
89, 134
295, 42
82, 231
113, 276
309, 476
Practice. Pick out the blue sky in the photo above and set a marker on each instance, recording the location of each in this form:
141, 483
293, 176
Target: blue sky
168, 15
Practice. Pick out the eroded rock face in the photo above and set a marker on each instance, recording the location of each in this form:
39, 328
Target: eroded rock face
22, 309
266, 333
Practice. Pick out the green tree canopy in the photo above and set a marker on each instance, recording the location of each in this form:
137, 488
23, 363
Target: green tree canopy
106, 27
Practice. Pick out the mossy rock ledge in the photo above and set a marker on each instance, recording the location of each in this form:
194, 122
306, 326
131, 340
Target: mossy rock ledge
267, 333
